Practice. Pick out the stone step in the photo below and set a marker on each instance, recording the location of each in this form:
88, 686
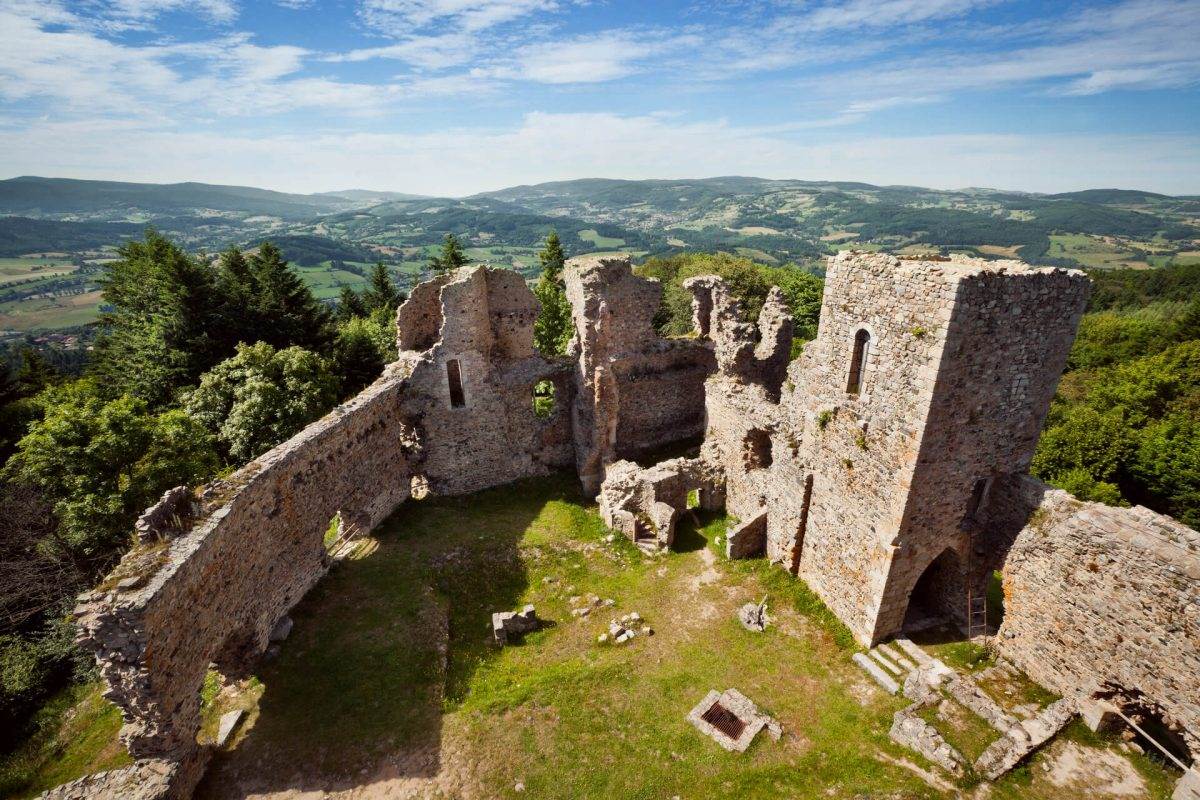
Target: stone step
876, 672
895, 656
918, 655
885, 662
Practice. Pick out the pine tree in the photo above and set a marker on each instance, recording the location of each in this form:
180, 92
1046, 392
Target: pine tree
552, 329
293, 316
350, 305
452, 256
160, 325
381, 292
552, 258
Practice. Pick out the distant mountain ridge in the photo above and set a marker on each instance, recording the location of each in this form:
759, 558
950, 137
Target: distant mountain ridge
36, 196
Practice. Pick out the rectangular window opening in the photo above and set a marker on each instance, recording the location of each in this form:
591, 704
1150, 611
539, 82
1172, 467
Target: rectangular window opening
454, 379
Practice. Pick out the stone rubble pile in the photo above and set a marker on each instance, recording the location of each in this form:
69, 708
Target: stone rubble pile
508, 625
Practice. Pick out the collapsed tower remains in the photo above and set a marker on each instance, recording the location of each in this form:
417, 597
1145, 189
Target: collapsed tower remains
885, 466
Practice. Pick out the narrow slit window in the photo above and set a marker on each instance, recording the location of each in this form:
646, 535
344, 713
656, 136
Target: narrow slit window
802, 528
858, 363
978, 495
543, 399
454, 379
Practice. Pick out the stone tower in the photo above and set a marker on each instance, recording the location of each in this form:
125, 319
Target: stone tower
928, 382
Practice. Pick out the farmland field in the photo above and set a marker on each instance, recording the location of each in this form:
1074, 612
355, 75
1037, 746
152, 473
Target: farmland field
13, 270
1091, 251
596, 240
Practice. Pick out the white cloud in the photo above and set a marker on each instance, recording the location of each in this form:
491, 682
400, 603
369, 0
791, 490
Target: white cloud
141, 11
402, 17
562, 146
594, 58
884, 13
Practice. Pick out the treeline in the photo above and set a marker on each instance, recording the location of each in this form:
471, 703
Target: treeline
199, 367
522, 230
1124, 427
309, 250
21, 235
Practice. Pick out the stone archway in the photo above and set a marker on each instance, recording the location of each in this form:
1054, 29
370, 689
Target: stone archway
939, 595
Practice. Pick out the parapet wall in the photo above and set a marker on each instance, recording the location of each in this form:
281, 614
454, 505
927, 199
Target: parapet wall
213, 594
1104, 602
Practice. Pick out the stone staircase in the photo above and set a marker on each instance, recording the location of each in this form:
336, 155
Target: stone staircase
923, 679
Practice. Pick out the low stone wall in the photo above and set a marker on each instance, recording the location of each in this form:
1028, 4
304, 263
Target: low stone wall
644, 504
213, 594
1105, 602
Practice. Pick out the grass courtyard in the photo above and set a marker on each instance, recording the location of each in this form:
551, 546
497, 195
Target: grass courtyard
389, 685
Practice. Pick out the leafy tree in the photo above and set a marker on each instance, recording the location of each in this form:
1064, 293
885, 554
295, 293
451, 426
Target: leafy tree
1084, 439
357, 357
803, 292
262, 396
99, 462
1167, 465
552, 329
748, 282
381, 291
452, 256
159, 331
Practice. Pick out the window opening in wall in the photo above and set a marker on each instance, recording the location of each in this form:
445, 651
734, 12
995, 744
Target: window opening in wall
333, 532
858, 362
693, 498
543, 399
802, 527
454, 379
757, 449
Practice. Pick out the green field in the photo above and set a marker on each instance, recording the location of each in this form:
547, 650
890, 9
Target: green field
50, 313
1091, 251
14, 270
594, 238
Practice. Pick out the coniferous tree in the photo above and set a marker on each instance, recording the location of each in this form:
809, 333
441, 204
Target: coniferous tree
160, 324
350, 305
552, 329
381, 292
287, 307
452, 256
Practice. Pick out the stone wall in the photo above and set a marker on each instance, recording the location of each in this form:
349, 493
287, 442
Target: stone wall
493, 436
454, 414
1104, 602
213, 594
634, 391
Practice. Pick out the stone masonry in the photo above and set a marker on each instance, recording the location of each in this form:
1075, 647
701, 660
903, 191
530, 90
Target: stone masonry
885, 466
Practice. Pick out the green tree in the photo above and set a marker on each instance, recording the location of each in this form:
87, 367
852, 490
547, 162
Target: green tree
803, 292
452, 256
552, 329
1082, 438
381, 291
100, 462
1167, 465
159, 329
350, 305
288, 311
552, 257
261, 397
357, 357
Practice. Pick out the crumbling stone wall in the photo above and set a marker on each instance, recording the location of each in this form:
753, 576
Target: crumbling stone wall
214, 593
1104, 602
645, 504
487, 433
634, 390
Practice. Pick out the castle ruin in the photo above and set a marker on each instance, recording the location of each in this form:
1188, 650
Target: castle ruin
886, 467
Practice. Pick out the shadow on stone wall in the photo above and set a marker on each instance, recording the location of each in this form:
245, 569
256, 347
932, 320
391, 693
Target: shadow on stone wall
383, 644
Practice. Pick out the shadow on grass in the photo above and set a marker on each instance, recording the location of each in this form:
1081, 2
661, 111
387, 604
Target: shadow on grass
384, 644
689, 530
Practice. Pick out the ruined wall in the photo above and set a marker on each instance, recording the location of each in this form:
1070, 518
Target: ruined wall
214, 593
634, 391
1104, 601
487, 434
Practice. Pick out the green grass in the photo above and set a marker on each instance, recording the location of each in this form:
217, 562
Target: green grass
390, 673
594, 238
13, 270
73, 734
1091, 251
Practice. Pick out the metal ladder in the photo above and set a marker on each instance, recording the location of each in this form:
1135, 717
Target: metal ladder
976, 614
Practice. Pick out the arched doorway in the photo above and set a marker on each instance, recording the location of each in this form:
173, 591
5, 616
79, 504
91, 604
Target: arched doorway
939, 595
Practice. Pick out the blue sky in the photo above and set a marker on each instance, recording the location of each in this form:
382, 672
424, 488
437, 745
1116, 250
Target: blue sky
451, 97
